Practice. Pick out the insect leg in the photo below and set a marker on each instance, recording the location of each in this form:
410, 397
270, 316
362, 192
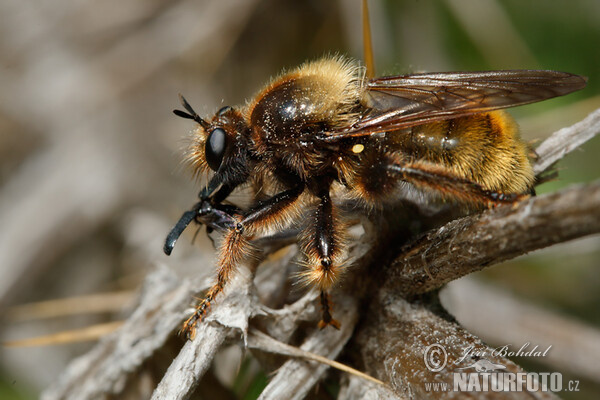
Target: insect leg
446, 183
217, 216
235, 247
326, 318
323, 248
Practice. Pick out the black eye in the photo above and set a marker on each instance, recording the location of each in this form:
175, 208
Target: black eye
215, 148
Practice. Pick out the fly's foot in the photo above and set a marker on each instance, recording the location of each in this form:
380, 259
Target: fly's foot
326, 318
190, 325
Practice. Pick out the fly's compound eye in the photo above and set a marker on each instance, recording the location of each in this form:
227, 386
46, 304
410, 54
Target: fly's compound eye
215, 148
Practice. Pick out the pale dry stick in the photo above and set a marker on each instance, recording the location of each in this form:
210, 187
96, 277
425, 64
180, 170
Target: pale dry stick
295, 378
227, 320
231, 317
191, 364
565, 140
105, 369
281, 324
159, 313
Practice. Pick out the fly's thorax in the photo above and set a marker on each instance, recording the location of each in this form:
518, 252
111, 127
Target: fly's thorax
294, 109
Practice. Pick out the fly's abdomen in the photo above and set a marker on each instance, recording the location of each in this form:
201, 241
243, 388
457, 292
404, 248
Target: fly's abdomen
484, 148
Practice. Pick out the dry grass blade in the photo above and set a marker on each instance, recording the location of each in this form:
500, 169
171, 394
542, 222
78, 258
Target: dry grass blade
94, 303
260, 341
86, 334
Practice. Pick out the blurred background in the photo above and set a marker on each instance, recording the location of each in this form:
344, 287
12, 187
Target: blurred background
91, 178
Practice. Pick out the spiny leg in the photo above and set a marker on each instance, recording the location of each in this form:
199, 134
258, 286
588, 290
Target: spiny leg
323, 248
444, 182
235, 246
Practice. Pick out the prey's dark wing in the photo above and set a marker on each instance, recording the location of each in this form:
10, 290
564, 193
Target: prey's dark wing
399, 102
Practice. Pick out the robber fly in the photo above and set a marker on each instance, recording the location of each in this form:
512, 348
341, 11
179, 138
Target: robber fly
324, 130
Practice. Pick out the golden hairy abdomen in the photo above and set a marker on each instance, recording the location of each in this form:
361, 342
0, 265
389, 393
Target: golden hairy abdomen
484, 148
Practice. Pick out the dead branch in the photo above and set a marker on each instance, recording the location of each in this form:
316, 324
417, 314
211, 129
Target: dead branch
472, 243
80, 81
191, 364
399, 338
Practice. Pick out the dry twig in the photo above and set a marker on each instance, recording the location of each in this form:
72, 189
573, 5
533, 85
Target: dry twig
472, 243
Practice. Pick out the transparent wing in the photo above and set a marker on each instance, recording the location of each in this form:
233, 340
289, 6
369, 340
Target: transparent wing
399, 102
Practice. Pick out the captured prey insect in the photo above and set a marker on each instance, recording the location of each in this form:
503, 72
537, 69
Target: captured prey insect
324, 131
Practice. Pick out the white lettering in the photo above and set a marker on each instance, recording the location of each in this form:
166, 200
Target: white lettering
532, 382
